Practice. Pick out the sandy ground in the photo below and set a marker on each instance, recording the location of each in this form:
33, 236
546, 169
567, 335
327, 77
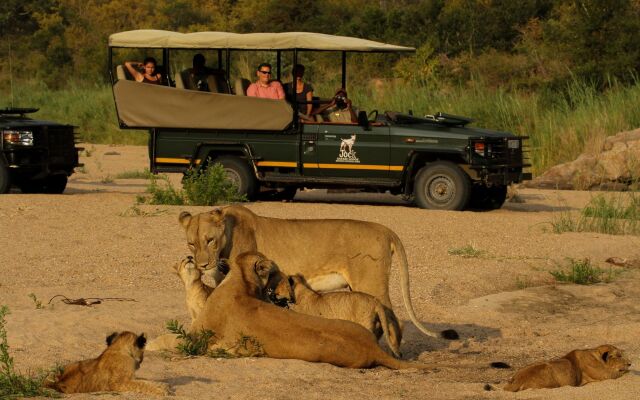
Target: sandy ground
90, 242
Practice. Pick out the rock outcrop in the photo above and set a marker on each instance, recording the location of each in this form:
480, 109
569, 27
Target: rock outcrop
616, 167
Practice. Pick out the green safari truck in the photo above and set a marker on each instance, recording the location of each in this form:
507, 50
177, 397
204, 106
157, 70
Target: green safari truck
436, 160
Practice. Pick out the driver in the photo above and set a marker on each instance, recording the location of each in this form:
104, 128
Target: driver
339, 109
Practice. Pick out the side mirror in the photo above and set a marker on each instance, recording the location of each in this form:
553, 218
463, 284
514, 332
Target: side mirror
363, 120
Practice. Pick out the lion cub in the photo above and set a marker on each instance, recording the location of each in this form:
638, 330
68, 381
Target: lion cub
357, 307
112, 371
196, 292
577, 368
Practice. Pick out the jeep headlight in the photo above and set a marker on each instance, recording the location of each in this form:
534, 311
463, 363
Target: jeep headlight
20, 138
513, 144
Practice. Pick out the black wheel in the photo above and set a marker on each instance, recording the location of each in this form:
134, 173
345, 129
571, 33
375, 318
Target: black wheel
55, 184
487, 198
239, 172
442, 185
5, 181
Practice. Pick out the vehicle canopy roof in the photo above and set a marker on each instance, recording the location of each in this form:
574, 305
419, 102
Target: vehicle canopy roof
151, 38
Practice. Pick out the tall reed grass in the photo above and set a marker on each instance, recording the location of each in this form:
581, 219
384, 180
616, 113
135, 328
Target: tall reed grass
561, 124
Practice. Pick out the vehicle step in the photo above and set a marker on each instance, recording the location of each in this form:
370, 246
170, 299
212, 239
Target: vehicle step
288, 178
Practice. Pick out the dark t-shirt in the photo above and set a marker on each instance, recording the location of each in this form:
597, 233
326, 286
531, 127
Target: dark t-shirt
301, 97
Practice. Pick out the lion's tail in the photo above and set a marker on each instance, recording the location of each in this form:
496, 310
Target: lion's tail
390, 328
398, 248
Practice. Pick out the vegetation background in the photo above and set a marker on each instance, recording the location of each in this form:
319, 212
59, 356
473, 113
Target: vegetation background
564, 72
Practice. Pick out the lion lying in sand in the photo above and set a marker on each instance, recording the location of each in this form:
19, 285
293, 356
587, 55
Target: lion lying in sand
235, 308
577, 368
357, 254
113, 370
357, 307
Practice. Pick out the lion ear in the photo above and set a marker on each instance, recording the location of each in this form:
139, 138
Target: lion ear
184, 218
216, 214
111, 338
263, 268
141, 341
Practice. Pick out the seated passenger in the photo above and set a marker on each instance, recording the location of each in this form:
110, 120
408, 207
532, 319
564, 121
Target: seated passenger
304, 92
264, 87
339, 109
199, 73
144, 72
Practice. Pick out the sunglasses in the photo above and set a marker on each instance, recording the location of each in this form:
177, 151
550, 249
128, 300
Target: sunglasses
265, 72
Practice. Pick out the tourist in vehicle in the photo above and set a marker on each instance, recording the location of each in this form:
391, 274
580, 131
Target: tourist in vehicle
145, 71
265, 87
199, 73
303, 90
339, 109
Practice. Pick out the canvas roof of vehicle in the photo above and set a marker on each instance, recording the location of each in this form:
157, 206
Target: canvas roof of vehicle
150, 38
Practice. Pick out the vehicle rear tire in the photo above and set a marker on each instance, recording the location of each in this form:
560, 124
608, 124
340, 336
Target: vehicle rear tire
5, 180
487, 198
239, 172
442, 185
55, 184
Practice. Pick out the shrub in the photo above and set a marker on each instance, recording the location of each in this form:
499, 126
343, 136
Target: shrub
204, 187
468, 251
190, 344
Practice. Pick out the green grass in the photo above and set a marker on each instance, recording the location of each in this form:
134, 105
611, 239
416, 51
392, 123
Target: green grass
191, 344
135, 174
561, 124
468, 251
581, 272
611, 213
36, 301
14, 385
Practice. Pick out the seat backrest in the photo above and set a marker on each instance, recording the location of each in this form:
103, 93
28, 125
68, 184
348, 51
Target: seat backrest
179, 81
121, 73
241, 86
186, 79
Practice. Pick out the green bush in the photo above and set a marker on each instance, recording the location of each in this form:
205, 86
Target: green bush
191, 344
203, 187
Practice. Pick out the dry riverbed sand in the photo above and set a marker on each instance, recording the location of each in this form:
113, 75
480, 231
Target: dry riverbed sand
92, 243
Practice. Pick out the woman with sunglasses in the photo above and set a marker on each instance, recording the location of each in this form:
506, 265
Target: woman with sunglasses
264, 87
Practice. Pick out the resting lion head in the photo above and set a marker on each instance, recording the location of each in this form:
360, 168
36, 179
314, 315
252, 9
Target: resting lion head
207, 236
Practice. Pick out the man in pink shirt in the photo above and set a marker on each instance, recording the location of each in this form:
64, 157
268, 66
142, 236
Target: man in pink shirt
265, 87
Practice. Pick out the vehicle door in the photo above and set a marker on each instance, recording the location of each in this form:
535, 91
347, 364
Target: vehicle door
353, 151
309, 149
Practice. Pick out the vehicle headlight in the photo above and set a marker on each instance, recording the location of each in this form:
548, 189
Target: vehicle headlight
513, 144
20, 138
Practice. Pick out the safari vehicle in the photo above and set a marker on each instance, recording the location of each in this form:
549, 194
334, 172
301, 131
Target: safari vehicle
436, 160
36, 156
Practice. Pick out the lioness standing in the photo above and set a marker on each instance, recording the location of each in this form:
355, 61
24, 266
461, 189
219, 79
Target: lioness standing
113, 370
358, 252
577, 368
357, 307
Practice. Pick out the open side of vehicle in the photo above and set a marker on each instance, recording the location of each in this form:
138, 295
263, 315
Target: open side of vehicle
437, 160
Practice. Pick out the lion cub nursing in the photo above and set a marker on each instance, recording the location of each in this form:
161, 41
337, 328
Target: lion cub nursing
577, 368
113, 370
357, 307
236, 307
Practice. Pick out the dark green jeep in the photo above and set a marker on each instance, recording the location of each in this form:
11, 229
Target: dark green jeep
36, 156
434, 159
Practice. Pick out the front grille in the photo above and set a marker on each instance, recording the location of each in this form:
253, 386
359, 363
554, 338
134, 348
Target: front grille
496, 151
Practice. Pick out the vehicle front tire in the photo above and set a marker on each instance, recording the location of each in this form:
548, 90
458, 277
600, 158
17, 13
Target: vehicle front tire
5, 180
239, 172
442, 185
55, 184
487, 198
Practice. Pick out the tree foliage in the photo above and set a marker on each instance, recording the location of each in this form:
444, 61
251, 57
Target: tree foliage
527, 43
